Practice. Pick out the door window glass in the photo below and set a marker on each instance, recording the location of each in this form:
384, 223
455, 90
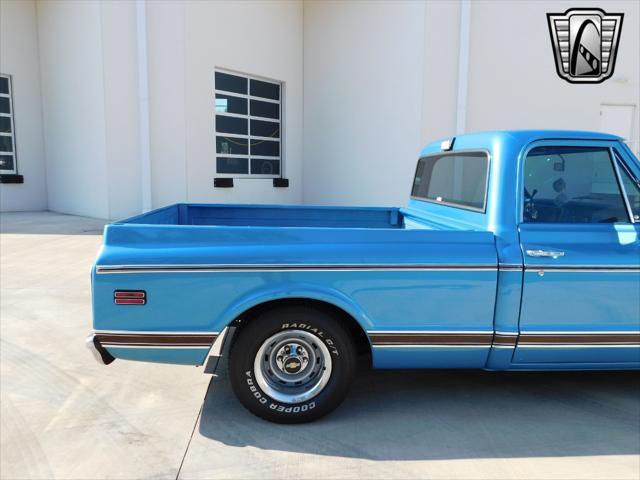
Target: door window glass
572, 185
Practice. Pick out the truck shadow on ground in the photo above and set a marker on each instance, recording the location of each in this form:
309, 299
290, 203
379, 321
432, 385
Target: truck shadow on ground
418, 415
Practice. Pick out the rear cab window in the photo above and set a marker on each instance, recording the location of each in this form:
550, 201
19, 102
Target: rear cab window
454, 179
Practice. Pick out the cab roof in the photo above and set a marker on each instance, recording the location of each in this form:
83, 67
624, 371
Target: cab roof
519, 137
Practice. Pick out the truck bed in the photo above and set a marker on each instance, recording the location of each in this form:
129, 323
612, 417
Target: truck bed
201, 266
266, 234
271, 216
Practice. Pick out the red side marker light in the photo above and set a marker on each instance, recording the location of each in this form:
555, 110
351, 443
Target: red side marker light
130, 297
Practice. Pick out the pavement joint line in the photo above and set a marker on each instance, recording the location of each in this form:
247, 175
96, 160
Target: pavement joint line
193, 430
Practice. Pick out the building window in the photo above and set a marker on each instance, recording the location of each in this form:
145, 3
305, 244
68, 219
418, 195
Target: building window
248, 126
7, 129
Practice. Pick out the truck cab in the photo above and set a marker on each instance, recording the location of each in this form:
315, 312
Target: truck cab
564, 208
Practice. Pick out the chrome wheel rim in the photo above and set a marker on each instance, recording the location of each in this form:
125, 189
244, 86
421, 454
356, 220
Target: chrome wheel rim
292, 366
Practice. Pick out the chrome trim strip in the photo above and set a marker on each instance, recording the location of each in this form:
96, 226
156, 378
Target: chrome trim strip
474, 339
146, 340
582, 332
584, 345
505, 339
484, 345
163, 347
510, 268
107, 269
625, 196
216, 348
152, 344
602, 338
436, 338
404, 345
431, 332
92, 348
98, 351
153, 332
584, 268
515, 334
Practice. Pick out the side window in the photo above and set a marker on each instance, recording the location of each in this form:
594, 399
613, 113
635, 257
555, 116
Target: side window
7, 131
572, 185
631, 188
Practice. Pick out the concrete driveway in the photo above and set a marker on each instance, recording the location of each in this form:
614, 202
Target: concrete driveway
64, 416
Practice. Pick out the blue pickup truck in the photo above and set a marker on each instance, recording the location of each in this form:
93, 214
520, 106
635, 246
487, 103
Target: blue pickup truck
518, 250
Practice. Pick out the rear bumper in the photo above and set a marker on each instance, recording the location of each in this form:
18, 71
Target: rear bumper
99, 352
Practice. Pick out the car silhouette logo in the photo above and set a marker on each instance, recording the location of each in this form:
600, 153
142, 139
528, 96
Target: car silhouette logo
585, 43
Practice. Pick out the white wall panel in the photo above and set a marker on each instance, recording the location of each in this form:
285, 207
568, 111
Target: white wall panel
513, 83
363, 74
366, 85
165, 40
19, 58
71, 64
121, 108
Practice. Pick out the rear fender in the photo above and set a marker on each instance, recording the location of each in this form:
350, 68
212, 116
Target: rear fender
292, 291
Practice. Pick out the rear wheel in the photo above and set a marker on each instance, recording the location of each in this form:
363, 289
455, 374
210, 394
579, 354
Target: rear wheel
292, 364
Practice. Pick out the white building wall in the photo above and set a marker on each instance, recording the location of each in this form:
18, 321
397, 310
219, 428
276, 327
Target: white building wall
440, 70
366, 85
187, 42
165, 36
363, 83
19, 58
512, 79
72, 76
118, 22
363, 61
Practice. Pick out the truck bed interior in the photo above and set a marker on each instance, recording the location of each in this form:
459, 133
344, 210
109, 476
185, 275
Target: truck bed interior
272, 216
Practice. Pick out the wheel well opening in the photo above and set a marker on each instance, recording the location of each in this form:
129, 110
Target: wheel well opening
358, 335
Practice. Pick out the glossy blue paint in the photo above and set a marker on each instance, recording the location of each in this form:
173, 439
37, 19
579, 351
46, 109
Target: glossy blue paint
434, 357
576, 355
506, 315
597, 364
426, 267
582, 300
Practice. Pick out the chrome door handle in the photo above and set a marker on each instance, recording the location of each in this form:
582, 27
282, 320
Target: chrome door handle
545, 253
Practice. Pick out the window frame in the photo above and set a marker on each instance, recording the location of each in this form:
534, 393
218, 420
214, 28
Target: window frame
569, 143
248, 97
487, 155
12, 134
619, 162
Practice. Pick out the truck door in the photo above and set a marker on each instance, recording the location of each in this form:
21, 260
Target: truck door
579, 236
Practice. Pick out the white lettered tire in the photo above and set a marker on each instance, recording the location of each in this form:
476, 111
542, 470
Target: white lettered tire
292, 364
